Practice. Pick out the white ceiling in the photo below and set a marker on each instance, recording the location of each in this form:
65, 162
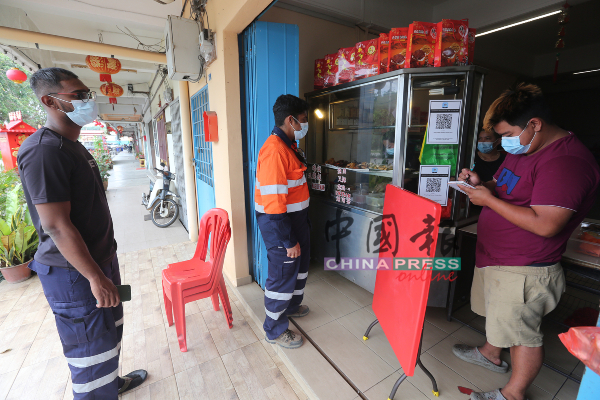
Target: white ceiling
106, 21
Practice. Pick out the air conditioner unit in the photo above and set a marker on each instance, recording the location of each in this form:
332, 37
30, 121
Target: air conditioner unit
183, 50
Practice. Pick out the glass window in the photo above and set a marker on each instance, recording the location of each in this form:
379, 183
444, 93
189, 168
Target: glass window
424, 89
352, 144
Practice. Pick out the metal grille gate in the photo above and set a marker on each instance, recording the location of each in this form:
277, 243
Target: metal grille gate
203, 160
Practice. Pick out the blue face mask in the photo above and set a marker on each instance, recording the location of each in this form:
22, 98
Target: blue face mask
84, 112
485, 147
513, 144
390, 151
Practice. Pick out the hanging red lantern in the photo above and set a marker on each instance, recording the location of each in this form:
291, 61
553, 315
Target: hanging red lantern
111, 90
104, 66
16, 75
120, 129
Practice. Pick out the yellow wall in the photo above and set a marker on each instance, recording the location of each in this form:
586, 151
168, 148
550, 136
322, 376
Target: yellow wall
228, 18
318, 37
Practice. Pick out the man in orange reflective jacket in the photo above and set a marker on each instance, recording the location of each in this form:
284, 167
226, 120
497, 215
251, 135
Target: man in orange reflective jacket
281, 204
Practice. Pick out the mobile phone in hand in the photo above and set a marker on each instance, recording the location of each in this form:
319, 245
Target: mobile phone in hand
124, 292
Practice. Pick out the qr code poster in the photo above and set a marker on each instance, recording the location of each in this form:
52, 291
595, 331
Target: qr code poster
444, 121
433, 182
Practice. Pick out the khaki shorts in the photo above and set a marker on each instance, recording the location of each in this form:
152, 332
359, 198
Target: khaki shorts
514, 300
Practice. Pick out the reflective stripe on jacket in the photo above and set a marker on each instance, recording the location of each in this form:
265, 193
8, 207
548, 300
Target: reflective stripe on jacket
281, 194
280, 182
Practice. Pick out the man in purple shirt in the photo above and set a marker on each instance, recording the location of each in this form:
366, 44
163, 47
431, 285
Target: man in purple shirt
539, 195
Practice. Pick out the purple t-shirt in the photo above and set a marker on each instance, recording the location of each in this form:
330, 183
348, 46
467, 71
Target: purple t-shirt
564, 174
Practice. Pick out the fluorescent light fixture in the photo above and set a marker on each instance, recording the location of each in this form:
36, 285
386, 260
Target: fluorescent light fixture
585, 72
518, 23
319, 113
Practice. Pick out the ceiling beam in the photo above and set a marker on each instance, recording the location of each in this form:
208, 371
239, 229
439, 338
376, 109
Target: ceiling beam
44, 41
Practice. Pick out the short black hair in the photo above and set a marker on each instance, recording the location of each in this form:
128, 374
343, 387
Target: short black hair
46, 80
288, 104
517, 106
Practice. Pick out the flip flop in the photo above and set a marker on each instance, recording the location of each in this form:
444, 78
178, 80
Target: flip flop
133, 380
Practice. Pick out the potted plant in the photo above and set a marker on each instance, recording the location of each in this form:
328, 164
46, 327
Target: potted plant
103, 160
18, 240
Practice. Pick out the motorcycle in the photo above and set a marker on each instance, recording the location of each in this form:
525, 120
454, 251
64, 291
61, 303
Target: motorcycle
162, 201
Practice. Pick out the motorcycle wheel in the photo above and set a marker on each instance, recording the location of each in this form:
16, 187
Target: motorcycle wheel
165, 216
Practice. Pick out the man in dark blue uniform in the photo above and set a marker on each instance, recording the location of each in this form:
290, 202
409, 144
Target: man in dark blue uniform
76, 258
281, 204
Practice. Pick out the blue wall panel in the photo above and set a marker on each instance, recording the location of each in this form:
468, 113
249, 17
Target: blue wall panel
271, 68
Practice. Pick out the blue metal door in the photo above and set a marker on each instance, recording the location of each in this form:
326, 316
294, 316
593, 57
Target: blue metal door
269, 58
203, 160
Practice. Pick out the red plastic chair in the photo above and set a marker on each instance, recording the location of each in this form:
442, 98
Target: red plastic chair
195, 279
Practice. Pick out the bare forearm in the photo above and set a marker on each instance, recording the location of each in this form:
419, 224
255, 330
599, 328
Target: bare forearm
490, 185
69, 242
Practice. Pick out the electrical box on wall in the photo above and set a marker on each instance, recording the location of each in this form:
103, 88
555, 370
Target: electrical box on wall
182, 47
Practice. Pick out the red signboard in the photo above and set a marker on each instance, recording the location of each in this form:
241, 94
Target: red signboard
400, 296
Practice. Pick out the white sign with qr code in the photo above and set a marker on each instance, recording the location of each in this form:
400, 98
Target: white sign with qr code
433, 182
444, 121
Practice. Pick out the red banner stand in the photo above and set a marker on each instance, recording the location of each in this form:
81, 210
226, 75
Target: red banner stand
400, 297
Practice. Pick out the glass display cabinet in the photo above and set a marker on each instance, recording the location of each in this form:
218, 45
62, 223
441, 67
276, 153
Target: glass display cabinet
369, 133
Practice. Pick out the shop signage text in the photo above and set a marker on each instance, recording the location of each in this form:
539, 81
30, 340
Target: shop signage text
397, 263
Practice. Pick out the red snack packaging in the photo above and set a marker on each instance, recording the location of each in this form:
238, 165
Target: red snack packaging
452, 44
584, 343
330, 70
367, 63
398, 42
471, 37
345, 65
384, 50
421, 44
320, 73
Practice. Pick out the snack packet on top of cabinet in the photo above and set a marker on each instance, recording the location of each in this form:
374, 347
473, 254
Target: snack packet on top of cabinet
384, 49
452, 44
398, 42
420, 51
330, 70
367, 63
471, 38
319, 73
345, 65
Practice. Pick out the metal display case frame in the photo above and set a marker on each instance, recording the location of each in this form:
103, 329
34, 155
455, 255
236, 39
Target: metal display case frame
471, 80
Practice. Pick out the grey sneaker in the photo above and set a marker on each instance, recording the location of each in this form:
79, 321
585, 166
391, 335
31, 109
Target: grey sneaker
493, 395
473, 356
287, 340
302, 311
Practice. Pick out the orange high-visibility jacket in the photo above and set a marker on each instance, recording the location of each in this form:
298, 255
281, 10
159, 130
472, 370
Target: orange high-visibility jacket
280, 182
281, 195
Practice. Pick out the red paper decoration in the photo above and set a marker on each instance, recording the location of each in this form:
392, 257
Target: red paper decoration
563, 19
111, 90
16, 75
104, 66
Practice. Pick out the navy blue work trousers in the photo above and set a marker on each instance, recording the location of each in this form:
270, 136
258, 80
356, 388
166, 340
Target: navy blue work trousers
284, 289
91, 336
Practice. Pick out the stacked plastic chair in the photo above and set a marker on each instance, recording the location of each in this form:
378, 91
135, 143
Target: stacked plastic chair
195, 279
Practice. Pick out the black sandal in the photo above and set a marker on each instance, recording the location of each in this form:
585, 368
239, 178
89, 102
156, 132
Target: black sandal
133, 380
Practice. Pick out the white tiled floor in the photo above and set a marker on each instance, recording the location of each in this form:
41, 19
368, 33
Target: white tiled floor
132, 232
340, 314
220, 364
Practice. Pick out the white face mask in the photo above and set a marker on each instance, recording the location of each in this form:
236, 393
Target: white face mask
83, 113
302, 132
